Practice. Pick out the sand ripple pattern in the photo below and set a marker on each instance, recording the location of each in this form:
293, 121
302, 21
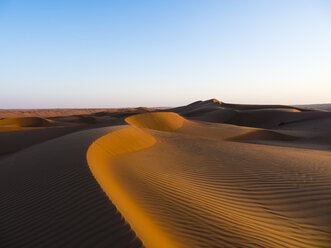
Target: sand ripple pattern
202, 192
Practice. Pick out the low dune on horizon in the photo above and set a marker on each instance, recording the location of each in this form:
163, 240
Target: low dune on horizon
207, 174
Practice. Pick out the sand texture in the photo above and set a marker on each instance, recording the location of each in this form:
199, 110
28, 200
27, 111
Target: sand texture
209, 174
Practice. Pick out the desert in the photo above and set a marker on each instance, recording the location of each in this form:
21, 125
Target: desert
207, 174
165, 124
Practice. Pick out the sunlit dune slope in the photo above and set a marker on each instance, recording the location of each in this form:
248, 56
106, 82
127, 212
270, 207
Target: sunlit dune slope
9, 124
159, 121
25, 122
189, 188
206, 193
124, 141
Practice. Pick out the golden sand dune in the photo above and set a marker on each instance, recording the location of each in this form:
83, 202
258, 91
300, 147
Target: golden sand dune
25, 122
8, 124
158, 121
209, 174
187, 188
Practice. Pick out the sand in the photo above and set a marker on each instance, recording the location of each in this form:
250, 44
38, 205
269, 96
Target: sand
326, 106
50, 199
209, 174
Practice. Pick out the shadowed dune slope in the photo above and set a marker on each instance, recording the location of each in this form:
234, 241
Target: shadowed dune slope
274, 118
261, 116
187, 188
325, 107
50, 199
220, 131
263, 135
214, 104
19, 139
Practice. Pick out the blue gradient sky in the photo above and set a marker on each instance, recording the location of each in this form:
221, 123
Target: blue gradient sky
163, 53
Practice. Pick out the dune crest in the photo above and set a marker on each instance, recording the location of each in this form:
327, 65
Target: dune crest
186, 187
162, 121
100, 156
130, 139
209, 174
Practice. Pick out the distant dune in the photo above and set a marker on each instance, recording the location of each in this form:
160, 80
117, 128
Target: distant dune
14, 113
326, 106
11, 124
208, 174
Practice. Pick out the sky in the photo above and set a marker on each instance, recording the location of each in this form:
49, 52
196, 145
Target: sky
87, 53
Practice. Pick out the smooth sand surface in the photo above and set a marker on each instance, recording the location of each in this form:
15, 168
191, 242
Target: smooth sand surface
50, 199
209, 174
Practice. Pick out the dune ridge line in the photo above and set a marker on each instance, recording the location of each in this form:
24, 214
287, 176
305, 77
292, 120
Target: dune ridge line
203, 185
127, 140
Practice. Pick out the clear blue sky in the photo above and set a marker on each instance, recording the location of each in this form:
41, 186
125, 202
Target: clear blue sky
163, 53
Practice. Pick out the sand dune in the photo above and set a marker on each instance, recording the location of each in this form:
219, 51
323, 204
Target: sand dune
158, 121
326, 106
11, 124
47, 113
263, 116
25, 122
231, 198
194, 191
50, 199
209, 174
19, 139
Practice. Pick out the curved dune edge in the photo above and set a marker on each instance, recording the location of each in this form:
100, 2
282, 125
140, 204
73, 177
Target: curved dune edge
133, 138
162, 121
127, 140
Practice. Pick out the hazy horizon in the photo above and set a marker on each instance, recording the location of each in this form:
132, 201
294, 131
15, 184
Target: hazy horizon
106, 54
161, 106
